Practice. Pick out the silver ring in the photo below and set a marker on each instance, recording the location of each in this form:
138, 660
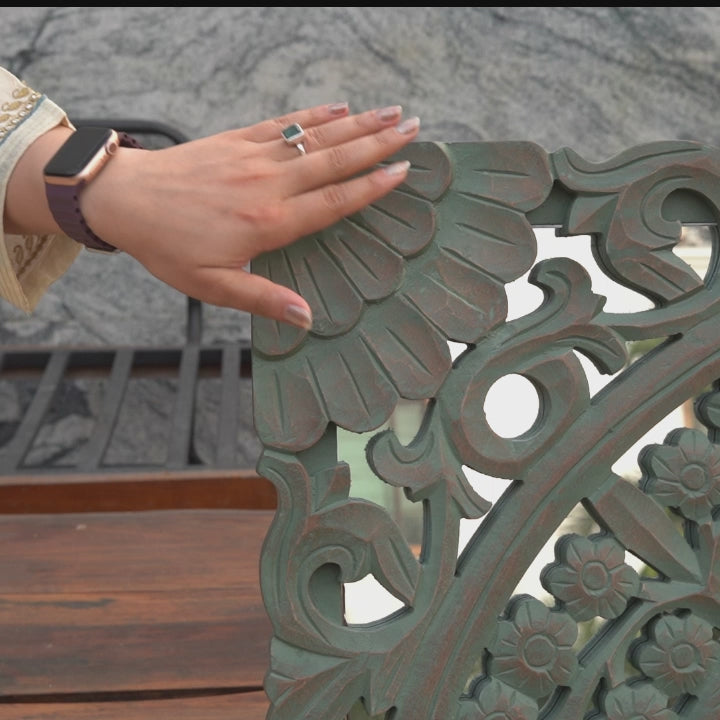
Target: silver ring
293, 135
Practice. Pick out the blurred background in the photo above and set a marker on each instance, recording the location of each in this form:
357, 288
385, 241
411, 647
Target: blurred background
596, 79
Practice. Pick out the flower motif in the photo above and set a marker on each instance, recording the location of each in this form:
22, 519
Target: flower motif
534, 648
591, 577
387, 295
640, 701
493, 700
684, 473
678, 654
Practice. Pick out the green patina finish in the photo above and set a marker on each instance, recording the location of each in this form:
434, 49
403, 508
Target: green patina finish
391, 288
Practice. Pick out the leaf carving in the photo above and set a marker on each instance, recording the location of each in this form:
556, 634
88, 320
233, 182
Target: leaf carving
303, 685
707, 702
428, 461
367, 527
621, 201
640, 524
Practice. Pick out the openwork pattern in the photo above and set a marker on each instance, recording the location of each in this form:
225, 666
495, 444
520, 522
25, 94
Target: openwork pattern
391, 288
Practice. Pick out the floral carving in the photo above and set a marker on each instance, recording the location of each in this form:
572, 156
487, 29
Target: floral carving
684, 473
534, 648
707, 703
386, 299
493, 700
591, 577
389, 287
640, 701
678, 654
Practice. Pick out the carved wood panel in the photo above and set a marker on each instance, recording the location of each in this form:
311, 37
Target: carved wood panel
390, 288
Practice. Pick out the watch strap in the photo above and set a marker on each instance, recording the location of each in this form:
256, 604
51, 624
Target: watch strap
64, 201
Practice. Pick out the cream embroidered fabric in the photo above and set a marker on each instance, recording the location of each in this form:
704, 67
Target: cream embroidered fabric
28, 263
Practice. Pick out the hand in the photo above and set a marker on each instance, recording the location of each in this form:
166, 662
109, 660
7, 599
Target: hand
196, 214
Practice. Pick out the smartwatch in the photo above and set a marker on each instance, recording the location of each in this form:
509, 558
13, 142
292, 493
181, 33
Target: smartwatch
75, 164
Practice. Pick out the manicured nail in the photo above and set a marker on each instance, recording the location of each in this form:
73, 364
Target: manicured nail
389, 113
408, 126
338, 108
398, 168
298, 316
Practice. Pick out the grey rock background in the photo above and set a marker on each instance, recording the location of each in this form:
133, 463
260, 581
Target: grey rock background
596, 79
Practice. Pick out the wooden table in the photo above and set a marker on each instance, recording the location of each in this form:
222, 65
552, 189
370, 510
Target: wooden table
133, 615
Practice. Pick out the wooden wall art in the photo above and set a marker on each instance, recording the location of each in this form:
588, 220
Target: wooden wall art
626, 620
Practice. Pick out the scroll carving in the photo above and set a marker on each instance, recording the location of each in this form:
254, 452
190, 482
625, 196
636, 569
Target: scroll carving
390, 288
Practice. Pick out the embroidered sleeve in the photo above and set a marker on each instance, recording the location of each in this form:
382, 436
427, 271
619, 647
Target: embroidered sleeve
28, 263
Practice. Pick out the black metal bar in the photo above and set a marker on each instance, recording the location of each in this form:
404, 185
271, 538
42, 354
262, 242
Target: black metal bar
146, 127
194, 321
115, 387
13, 454
225, 452
36, 360
180, 439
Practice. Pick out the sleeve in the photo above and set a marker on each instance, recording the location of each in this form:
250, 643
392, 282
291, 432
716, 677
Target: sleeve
28, 263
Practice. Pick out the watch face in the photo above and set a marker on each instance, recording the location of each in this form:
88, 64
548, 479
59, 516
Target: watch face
78, 150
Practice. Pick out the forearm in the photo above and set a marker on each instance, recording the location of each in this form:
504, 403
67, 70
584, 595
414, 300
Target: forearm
26, 210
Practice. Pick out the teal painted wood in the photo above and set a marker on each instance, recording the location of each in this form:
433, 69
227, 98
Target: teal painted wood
390, 287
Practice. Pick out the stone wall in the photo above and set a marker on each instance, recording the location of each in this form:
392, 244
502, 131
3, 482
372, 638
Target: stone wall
596, 79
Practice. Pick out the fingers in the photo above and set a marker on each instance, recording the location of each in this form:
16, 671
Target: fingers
328, 135
337, 163
319, 132
255, 294
269, 130
315, 210
317, 192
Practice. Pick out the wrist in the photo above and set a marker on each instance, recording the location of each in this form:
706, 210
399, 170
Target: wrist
104, 202
73, 170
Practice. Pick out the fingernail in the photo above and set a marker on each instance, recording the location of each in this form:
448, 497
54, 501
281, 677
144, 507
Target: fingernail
389, 113
298, 316
338, 108
398, 168
408, 126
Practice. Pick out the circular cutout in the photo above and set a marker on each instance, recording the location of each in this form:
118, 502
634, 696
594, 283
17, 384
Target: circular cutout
511, 406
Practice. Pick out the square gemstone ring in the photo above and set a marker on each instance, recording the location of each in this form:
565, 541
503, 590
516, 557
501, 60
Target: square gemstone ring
293, 134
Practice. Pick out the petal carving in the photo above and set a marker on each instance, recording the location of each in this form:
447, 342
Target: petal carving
430, 171
276, 426
374, 269
515, 174
459, 298
357, 396
405, 222
416, 359
335, 302
496, 239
